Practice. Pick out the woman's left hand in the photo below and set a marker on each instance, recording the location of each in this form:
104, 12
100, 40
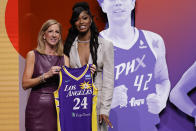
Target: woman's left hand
105, 118
93, 69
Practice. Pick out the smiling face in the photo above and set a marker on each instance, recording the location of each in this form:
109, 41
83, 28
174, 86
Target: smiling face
83, 22
118, 9
52, 35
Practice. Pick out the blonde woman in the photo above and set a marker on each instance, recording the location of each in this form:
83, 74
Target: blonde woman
41, 74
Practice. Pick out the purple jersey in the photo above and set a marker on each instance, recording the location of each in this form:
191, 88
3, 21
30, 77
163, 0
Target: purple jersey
74, 99
134, 78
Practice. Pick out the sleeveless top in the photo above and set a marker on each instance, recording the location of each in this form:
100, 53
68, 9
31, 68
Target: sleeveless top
134, 75
43, 63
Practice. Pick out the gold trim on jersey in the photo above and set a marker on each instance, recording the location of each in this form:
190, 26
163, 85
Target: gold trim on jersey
94, 101
56, 97
72, 76
94, 108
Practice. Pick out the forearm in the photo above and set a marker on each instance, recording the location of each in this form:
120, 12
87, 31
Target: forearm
108, 79
107, 91
106, 101
30, 83
163, 89
180, 99
179, 94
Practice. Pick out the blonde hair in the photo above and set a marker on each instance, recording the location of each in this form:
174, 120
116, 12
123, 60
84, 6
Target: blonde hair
41, 45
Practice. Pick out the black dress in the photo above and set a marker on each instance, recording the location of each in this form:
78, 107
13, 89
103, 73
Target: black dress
40, 112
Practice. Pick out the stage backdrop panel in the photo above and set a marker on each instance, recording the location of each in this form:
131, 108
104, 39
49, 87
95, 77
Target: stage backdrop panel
175, 21
9, 96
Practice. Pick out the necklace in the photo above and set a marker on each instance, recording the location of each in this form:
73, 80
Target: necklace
85, 41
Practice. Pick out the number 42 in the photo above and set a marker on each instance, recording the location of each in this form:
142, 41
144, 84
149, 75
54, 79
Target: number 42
139, 80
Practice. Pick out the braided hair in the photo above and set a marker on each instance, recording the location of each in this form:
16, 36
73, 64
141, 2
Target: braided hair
73, 32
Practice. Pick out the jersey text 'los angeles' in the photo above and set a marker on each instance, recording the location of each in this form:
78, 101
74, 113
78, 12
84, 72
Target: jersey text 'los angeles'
75, 100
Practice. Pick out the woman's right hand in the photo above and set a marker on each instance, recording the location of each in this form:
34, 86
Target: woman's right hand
53, 71
93, 68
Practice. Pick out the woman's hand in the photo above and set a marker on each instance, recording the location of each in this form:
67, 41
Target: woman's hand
93, 69
53, 71
105, 118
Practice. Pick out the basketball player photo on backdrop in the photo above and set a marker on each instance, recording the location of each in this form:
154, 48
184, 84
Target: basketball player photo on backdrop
141, 76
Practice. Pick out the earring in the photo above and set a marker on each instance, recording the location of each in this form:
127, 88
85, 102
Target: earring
91, 22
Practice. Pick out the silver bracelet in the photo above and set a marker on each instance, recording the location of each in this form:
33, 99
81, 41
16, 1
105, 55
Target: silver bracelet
42, 79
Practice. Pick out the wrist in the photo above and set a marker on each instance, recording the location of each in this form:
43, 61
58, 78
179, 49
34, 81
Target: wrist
42, 78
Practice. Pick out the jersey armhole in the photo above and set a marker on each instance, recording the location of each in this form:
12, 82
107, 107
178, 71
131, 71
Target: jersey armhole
149, 42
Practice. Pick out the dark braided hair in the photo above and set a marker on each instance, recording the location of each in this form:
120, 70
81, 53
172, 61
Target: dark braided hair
73, 32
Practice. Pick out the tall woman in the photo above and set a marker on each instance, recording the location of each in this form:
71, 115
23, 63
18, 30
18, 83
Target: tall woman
41, 74
84, 46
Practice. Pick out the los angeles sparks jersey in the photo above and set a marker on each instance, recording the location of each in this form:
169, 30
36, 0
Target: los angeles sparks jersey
75, 100
134, 80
